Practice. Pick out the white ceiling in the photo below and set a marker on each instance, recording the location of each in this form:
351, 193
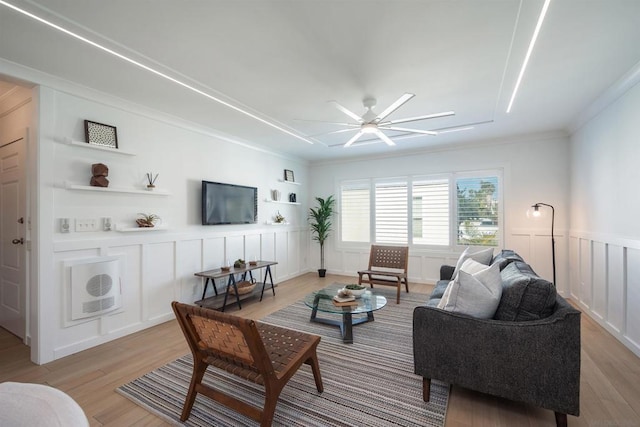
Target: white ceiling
282, 60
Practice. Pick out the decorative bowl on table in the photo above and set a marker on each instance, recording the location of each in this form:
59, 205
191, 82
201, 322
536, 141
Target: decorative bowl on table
356, 290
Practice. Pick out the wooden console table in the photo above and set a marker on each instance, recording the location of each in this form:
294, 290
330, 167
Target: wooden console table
211, 275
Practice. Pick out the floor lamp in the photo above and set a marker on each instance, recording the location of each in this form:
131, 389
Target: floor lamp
536, 212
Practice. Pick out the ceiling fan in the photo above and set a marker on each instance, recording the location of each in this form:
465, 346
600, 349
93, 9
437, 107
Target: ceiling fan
372, 123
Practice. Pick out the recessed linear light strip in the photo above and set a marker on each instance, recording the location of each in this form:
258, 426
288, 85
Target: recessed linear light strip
543, 12
152, 70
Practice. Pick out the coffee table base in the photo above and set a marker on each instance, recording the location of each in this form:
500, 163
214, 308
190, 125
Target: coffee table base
346, 324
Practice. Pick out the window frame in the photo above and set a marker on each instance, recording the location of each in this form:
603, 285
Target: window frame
409, 180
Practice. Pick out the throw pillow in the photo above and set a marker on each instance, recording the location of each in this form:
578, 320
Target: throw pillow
476, 291
483, 256
525, 295
506, 257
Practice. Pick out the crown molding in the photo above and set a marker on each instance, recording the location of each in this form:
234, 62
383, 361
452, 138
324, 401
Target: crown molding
608, 97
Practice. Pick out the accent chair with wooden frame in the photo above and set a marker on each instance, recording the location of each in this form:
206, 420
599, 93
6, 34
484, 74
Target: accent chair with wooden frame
387, 266
264, 354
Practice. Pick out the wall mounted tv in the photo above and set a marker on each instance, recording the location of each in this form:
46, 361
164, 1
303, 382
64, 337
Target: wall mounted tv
228, 204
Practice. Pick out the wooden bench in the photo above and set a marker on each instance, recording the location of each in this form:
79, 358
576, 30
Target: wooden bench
387, 266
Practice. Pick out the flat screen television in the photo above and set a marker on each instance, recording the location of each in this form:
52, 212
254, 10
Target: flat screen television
228, 204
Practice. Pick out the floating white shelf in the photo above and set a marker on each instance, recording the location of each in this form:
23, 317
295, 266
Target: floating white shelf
276, 223
126, 229
281, 202
78, 187
289, 182
69, 141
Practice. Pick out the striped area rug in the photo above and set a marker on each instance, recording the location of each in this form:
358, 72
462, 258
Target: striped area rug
367, 383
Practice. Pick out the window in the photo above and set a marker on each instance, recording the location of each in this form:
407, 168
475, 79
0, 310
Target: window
430, 212
391, 212
423, 211
354, 212
477, 208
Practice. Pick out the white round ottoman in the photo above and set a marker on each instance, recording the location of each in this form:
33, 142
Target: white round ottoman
38, 405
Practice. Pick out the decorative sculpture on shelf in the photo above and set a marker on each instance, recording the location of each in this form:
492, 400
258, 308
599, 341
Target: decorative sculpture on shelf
100, 173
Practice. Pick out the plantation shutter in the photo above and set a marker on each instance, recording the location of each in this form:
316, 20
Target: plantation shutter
430, 212
355, 213
391, 212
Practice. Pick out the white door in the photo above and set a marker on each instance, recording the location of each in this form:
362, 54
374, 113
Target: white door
13, 299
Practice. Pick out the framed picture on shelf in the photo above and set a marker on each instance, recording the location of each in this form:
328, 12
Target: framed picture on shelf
288, 175
100, 134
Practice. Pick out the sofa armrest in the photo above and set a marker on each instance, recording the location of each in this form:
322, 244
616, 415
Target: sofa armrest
446, 272
536, 362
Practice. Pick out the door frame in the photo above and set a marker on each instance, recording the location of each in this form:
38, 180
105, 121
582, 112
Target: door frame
23, 138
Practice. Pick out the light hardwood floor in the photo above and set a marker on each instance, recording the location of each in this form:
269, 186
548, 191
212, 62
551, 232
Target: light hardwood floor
610, 379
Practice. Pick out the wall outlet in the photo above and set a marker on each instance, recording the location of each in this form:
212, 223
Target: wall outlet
64, 225
90, 224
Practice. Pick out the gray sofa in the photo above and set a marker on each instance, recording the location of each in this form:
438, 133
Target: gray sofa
529, 351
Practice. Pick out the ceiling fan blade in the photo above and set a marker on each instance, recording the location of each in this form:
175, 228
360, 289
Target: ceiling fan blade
330, 123
426, 132
393, 107
352, 140
348, 112
385, 138
415, 119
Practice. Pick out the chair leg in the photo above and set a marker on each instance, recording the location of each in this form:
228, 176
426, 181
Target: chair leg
426, 389
199, 368
561, 419
399, 287
270, 402
406, 285
315, 368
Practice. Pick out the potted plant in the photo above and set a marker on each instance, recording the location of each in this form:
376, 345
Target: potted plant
320, 222
147, 220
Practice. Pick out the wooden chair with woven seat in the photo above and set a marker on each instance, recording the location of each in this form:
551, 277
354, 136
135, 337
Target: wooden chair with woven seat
387, 266
265, 354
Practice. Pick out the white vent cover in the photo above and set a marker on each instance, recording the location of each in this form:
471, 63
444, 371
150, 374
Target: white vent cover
95, 287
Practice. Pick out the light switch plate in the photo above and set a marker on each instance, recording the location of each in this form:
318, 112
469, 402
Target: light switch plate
86, 224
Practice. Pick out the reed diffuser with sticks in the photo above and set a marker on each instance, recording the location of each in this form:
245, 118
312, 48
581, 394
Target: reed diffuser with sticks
151, 180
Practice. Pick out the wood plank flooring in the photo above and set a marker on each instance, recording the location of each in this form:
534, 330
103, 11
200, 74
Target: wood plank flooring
610, 381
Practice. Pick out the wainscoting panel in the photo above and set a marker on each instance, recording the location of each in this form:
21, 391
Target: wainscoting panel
599, 284
282, 251
158, 268
574, 268
213, 255
268, 249
188, 261
293, 253
633, 295
616, 287
521, 243
585, 273
234, 248
252, 244
131, 276
158, 278
605, 280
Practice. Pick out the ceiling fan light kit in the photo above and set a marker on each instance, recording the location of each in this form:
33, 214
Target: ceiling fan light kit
371, 123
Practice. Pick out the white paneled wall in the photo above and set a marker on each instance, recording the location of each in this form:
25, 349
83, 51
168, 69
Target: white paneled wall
424, 266
605, 281
158, 272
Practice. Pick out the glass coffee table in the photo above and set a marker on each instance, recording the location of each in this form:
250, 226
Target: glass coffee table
322, 301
